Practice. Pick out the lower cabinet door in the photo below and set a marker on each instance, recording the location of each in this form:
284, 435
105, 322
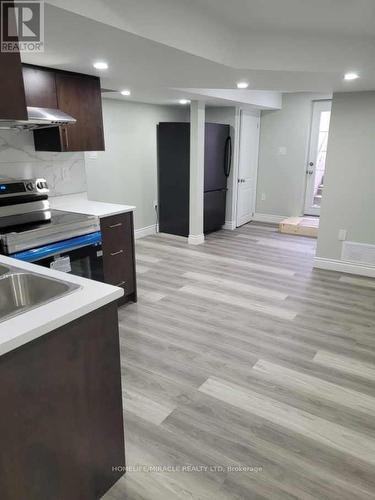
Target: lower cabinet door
118, 270
118, 253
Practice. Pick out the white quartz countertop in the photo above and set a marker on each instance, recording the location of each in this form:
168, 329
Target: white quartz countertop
78, 203
32, 324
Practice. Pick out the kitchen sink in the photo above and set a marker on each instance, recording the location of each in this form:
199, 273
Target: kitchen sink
22, 291
4, 270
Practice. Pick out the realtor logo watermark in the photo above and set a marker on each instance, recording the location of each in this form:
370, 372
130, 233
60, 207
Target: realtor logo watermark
22, 26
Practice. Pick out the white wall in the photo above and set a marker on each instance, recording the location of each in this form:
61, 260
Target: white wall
221, 114
64, 172
254, 99
126, 172
284, 139
349, 184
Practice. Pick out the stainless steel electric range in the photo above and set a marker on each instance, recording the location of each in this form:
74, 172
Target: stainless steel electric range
32, 232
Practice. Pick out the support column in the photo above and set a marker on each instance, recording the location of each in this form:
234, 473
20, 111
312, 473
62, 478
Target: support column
197, 133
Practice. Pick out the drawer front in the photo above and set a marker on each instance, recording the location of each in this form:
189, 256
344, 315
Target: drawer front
118, 253
117, 221
117, 233
118, 270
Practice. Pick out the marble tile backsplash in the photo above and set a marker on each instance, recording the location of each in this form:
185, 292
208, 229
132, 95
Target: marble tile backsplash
64, 172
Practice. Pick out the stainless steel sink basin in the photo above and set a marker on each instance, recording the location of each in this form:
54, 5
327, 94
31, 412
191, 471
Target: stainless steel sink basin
20, 292
3, 270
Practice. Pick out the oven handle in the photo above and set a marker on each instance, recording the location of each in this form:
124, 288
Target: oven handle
45, 251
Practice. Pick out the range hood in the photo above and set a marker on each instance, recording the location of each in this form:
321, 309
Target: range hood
39, 118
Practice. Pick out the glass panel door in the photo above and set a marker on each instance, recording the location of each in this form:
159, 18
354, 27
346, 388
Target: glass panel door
317, 156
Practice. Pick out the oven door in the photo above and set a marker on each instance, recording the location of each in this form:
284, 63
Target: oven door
81, 256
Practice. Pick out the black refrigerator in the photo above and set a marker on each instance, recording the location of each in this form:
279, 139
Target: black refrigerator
174, 174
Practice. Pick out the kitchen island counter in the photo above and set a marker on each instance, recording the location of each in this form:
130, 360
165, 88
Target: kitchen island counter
29, 325
61, 420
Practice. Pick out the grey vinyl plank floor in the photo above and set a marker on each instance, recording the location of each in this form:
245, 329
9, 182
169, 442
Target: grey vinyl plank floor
247, 374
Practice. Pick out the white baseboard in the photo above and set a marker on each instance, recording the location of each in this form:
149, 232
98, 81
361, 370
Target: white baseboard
145, 231
196, 239
230, 225
272, 219
342, 266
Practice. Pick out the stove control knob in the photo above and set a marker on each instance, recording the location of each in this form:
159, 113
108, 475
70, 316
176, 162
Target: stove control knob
39, 185
29, 186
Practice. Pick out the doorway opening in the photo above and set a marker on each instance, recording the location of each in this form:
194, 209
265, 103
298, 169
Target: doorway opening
315, 170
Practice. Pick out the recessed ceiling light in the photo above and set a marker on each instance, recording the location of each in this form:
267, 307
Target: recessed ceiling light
125, 92
100, 65
351, 76
184, 101
242, 85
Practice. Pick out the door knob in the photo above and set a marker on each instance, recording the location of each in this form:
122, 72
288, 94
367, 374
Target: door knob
311, 164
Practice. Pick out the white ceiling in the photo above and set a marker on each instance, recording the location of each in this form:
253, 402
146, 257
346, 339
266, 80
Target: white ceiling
325, 17
156, 47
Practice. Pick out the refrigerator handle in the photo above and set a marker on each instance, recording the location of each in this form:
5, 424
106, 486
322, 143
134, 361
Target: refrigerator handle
228, 156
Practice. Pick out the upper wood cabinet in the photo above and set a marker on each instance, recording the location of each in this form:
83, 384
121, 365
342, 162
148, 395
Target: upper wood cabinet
80, 97
77, 95
12, 94
40, 87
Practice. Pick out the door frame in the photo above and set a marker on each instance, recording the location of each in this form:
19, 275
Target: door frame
236, 178
232, 180
320, 105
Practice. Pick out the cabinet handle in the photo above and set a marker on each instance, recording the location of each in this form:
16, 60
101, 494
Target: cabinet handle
116, 225
122, 283
117, 253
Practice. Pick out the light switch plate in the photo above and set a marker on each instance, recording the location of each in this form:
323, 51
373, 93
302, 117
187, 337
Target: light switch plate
282, 150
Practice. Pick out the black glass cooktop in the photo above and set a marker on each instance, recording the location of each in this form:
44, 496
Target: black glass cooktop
52, 218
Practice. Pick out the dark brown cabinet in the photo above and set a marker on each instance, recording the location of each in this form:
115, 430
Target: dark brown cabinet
77, 95
118, 253
80, 97
61, 419
12, 93
40, 87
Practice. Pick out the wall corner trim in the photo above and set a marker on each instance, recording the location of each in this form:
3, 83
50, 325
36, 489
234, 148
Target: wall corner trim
196, 239
342, 266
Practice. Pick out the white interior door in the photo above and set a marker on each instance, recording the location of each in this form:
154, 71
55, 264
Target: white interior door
317, 156
247, 167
